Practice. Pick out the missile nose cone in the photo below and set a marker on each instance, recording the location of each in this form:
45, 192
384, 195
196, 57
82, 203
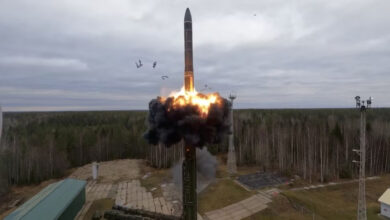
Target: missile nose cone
187, 16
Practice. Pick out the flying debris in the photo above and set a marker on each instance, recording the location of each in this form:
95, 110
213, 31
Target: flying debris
369, 101
154, 64
358, 103
139, 64
206, 87
164, 77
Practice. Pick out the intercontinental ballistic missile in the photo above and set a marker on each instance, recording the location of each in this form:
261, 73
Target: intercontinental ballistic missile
190, 205
188, 69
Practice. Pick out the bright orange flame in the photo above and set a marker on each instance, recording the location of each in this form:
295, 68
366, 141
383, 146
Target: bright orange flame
202, 101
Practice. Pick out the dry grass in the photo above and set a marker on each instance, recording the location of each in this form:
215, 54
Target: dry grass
280, 209
241, 170
156, 178
110, 171
340, 201
244, 170
332, 202
221, 168
221, 193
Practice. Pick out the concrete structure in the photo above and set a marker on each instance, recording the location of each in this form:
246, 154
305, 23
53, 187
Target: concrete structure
231, 161
128, 194
95, 170
385, 203
60, 200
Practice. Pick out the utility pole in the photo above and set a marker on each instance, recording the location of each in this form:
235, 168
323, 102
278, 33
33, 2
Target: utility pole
231, 162
362, 106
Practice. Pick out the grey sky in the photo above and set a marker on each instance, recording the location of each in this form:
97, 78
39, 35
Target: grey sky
79, 55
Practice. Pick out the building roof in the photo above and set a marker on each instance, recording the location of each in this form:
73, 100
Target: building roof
385, 198
50, 202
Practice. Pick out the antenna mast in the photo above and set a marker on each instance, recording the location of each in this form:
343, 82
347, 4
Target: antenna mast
362, 106
231, 162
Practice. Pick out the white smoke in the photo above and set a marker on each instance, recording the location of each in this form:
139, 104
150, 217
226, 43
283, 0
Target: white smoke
206, 166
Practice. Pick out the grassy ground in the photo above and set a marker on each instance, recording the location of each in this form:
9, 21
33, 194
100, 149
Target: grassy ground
241, 170
156, 178
340, 201
221, 193
332, 202
100, 205
280, 209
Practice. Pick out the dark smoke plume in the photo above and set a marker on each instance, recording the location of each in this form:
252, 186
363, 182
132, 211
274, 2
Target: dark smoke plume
169, 125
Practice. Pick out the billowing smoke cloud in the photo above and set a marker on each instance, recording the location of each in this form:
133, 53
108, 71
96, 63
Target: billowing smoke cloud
206, 169
170, 124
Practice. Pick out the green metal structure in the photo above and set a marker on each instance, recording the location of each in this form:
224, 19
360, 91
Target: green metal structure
190, 200
60, 200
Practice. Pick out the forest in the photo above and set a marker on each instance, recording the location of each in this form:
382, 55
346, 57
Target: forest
315, 144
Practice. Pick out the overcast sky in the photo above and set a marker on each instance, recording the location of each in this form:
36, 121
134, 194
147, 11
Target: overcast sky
80, 55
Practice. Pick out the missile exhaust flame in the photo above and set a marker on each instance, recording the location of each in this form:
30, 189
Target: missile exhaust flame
202, 101
196, 118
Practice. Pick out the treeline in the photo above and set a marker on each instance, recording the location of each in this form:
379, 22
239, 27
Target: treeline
38, 146
314, 144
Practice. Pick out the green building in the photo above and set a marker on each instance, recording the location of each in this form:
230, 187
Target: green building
60, 200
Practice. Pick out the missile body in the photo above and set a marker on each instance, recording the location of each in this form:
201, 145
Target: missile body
188, 69
190, 204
